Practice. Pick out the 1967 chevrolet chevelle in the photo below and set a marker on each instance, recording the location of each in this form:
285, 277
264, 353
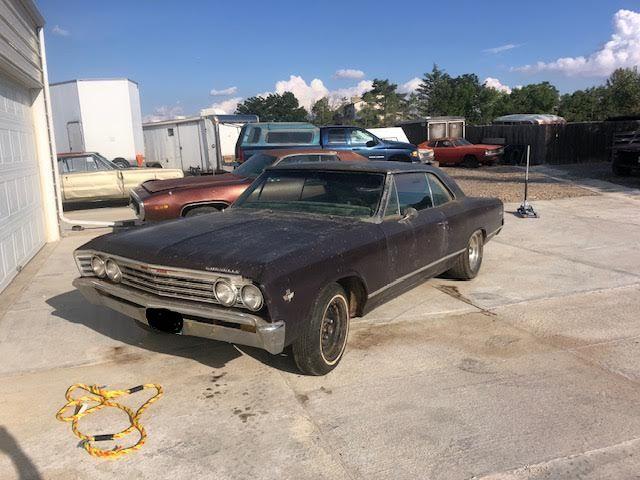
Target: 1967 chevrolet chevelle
304, 249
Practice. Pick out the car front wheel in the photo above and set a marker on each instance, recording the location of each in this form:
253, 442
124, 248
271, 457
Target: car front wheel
468, 262
320, 346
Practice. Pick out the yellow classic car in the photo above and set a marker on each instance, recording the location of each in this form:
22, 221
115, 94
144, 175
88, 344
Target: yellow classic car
88, 177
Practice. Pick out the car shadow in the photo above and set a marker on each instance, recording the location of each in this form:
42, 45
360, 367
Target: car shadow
72, 307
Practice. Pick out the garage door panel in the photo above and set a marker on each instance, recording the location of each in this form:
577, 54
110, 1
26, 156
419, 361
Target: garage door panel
21, 217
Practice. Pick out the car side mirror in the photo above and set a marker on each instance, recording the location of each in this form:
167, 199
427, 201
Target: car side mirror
371, 143
409, 214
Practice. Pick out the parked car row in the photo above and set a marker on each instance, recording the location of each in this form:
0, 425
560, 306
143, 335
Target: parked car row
256, 137
305, 247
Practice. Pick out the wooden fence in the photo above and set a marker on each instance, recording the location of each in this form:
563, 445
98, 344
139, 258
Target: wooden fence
557, 144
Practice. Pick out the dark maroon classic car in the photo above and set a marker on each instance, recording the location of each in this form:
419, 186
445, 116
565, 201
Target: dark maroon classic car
304, 249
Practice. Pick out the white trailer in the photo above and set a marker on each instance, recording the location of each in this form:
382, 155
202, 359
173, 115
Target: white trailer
204, 143
98, 115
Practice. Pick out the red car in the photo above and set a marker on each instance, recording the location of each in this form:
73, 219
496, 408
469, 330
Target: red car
185, 197
458, 151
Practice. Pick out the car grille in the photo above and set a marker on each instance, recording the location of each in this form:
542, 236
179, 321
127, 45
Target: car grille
162, 281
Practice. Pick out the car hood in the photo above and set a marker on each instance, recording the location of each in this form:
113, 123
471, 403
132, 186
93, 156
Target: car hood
241, 241
155, 186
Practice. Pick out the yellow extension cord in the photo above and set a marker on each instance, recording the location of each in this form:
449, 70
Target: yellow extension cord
98, 399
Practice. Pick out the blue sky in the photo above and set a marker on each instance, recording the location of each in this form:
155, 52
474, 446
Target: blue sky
179, 52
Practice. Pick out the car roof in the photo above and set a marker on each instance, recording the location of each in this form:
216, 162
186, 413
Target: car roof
372, 167
284, 152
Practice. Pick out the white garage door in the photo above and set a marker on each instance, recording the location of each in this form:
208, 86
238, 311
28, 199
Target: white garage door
21, 216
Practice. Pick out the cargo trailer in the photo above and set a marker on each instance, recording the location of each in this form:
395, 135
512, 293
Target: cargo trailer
199, 144
98, 115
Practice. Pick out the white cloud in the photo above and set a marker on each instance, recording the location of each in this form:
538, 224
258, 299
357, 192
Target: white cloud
622, 50
349, 73
223, 92
496, 84
226, 106
61, 32
164, 112
501, 48
309, 93
410, 86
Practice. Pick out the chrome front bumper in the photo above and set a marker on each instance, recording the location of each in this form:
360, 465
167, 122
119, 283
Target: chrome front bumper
206, 321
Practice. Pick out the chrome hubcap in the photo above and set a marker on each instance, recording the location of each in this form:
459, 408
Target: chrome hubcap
333, 330
474, 251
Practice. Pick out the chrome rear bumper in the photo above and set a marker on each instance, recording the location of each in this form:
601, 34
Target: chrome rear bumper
206, 321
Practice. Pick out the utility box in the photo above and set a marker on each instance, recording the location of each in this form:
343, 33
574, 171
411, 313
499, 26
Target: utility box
201, 144
101, 115
433, 128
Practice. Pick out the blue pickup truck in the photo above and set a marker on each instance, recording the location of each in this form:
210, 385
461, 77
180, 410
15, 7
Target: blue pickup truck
255, 137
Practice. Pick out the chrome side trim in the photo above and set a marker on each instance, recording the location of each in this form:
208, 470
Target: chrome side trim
415, 272
135, 198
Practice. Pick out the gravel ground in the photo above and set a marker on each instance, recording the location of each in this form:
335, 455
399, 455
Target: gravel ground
597, 171
507, 183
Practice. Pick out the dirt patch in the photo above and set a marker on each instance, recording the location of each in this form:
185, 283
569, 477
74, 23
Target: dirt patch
120, 355
507, 184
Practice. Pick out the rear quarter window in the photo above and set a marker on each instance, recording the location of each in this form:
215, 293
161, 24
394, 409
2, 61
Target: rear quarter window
289, 137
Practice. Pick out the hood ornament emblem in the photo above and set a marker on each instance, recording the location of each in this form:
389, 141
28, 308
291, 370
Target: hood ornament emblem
288, 295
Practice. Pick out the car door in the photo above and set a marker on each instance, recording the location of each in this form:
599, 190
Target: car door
414, 229
84, 178
446, 152
454, 214
365, 143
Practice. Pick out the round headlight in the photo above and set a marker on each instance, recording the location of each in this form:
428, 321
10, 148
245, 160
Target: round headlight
113, 271
251, 297
225, 293
98, 266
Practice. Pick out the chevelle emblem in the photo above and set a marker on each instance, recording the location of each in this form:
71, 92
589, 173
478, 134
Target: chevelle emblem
288, 295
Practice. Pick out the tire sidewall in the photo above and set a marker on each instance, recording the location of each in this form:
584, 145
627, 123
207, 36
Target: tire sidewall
342, 297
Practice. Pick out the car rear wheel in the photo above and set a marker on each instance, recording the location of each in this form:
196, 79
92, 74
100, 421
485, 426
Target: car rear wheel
320, 346
470, 161
468, 262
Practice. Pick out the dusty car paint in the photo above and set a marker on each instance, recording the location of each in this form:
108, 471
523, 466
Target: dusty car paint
292, 256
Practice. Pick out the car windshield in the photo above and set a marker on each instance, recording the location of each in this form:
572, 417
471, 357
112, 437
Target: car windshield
108, 164
461, 142
255, 165
346, 194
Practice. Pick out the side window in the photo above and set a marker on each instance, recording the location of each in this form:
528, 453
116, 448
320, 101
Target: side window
439, 192
92, 165
328, 158
445, 143
393, 208
359, 137
337, 136
62, 166
77, 164
413, 191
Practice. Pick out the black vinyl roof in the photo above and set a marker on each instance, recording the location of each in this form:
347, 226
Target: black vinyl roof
371, 166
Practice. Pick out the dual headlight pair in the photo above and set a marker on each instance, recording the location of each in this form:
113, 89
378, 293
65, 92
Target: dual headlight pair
109, 269
224, 291
227, 295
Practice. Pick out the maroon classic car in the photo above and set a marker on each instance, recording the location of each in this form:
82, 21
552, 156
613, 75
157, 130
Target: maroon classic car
185, 197
459, 151
303, 249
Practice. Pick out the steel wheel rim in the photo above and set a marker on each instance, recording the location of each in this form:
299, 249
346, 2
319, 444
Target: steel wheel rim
334, 329
473, 251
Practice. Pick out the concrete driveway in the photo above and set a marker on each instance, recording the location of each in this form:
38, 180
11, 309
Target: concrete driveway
530, 371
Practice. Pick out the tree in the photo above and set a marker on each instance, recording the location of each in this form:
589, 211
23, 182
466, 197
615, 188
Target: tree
434, 93
383, 104
274, 108
584, 105
623, 92
534, 98
322, 113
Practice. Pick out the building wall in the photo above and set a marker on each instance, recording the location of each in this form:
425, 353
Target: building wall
65, 104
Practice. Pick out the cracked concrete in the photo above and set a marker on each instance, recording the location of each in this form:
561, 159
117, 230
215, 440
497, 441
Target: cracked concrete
531, 371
